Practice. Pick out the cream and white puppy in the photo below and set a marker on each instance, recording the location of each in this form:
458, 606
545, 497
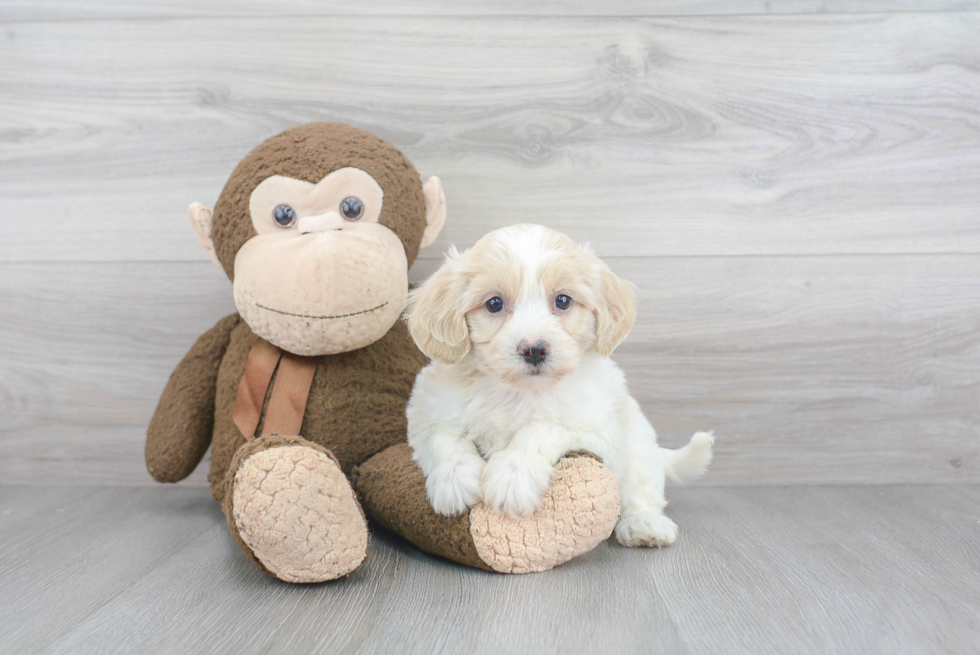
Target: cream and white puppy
519, 329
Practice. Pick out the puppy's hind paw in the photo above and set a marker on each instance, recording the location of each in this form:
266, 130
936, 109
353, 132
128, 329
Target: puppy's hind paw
648, 529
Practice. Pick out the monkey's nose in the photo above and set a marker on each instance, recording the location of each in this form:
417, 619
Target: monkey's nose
536, 354
320, 223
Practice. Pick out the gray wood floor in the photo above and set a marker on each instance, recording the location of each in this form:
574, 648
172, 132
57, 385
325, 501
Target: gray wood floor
889, 569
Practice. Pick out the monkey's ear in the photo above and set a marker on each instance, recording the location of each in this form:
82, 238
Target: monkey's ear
201, 221
435, 210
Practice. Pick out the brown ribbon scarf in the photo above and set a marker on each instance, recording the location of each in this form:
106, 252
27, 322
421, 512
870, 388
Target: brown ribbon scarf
287, 405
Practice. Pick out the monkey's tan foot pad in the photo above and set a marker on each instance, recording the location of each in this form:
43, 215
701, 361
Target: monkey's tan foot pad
295, 509
578, 511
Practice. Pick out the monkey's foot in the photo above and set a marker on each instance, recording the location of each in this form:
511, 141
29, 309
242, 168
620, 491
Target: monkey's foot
295, 512
578, 511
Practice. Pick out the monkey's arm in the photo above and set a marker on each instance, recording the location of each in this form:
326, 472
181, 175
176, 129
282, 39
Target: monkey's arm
181, 427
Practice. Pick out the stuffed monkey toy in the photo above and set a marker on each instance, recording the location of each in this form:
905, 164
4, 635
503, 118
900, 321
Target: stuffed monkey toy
301, 394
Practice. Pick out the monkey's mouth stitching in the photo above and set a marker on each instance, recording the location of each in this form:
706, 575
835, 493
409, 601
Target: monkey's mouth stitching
363, 311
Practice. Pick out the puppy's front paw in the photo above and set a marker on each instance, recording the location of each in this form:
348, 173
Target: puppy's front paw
648, 529
513, 483
455, 486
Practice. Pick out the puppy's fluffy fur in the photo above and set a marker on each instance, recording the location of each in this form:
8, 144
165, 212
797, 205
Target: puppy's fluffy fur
488, 420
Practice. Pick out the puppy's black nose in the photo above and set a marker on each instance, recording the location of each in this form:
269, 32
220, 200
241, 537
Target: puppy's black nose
535, 354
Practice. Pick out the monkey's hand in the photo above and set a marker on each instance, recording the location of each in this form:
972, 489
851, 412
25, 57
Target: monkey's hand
180, 430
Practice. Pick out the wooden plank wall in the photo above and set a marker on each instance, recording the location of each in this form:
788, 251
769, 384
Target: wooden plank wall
794, 186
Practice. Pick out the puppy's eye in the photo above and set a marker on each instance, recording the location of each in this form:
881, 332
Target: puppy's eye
351, 208
284, 216
563, 301
494, 305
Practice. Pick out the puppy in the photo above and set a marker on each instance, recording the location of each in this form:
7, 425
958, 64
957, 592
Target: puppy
519, 329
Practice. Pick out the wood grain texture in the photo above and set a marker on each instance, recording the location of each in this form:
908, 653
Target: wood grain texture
49, 10
855, 570
815, 370
794, 134
802, 570
797, 196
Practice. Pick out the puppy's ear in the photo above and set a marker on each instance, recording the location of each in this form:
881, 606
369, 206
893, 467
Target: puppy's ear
435, 316
615, 311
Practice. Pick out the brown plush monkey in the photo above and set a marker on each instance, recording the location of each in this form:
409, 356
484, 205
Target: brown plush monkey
302, 393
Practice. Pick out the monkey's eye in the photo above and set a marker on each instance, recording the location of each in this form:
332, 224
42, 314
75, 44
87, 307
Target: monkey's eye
562, 301
351, 208
494, 305
284, 216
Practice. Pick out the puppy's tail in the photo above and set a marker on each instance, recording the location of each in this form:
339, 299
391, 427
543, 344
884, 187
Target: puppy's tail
690, 462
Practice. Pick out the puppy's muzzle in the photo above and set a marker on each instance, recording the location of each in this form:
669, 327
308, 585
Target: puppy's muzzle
534, 355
